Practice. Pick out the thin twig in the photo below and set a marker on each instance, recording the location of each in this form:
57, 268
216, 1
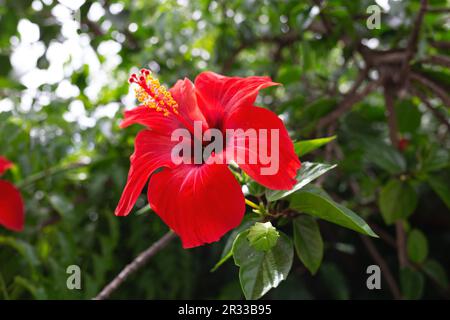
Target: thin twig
386, 272
401, 244
389, 99
51, 172
362, 75
439, 115
438, 10
384, 235
135, 265
440, 92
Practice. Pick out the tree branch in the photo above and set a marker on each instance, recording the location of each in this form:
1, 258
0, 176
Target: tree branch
389, 97
412, 43
281, 40
348, 103
135, 265
437, 60
326, 23
444, 45
98, 32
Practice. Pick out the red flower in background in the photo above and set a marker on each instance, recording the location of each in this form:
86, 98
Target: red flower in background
11, 205
403, 143
199, 202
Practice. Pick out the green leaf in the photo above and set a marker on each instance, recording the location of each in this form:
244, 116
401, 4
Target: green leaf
436, 271
227, 252
417, 246
306, 146
412, 283
334, 281
255, 189
397, 200
5, 65
314, 111
10, 84
435, 159
318, 108
316, 203
289, 74
30, 287
26, 250
385, 156
263, 236
408, 116
440, 185
62, 205
307, 173
308, 242
261, 271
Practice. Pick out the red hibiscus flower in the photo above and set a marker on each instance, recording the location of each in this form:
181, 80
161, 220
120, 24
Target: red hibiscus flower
11, 205
199, 202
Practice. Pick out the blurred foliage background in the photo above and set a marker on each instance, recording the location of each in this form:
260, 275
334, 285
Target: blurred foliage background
384, 92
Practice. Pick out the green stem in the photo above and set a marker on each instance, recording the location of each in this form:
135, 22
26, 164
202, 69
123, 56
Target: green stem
252, 204
143, 210
50, 172
3, 287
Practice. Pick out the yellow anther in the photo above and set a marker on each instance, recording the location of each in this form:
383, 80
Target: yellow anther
152, 94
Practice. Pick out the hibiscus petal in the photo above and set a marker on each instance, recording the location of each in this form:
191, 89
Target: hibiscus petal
150, 118
152, 151
200, 203
12, 214
240, 147
184, 94
218, 95
5, 164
